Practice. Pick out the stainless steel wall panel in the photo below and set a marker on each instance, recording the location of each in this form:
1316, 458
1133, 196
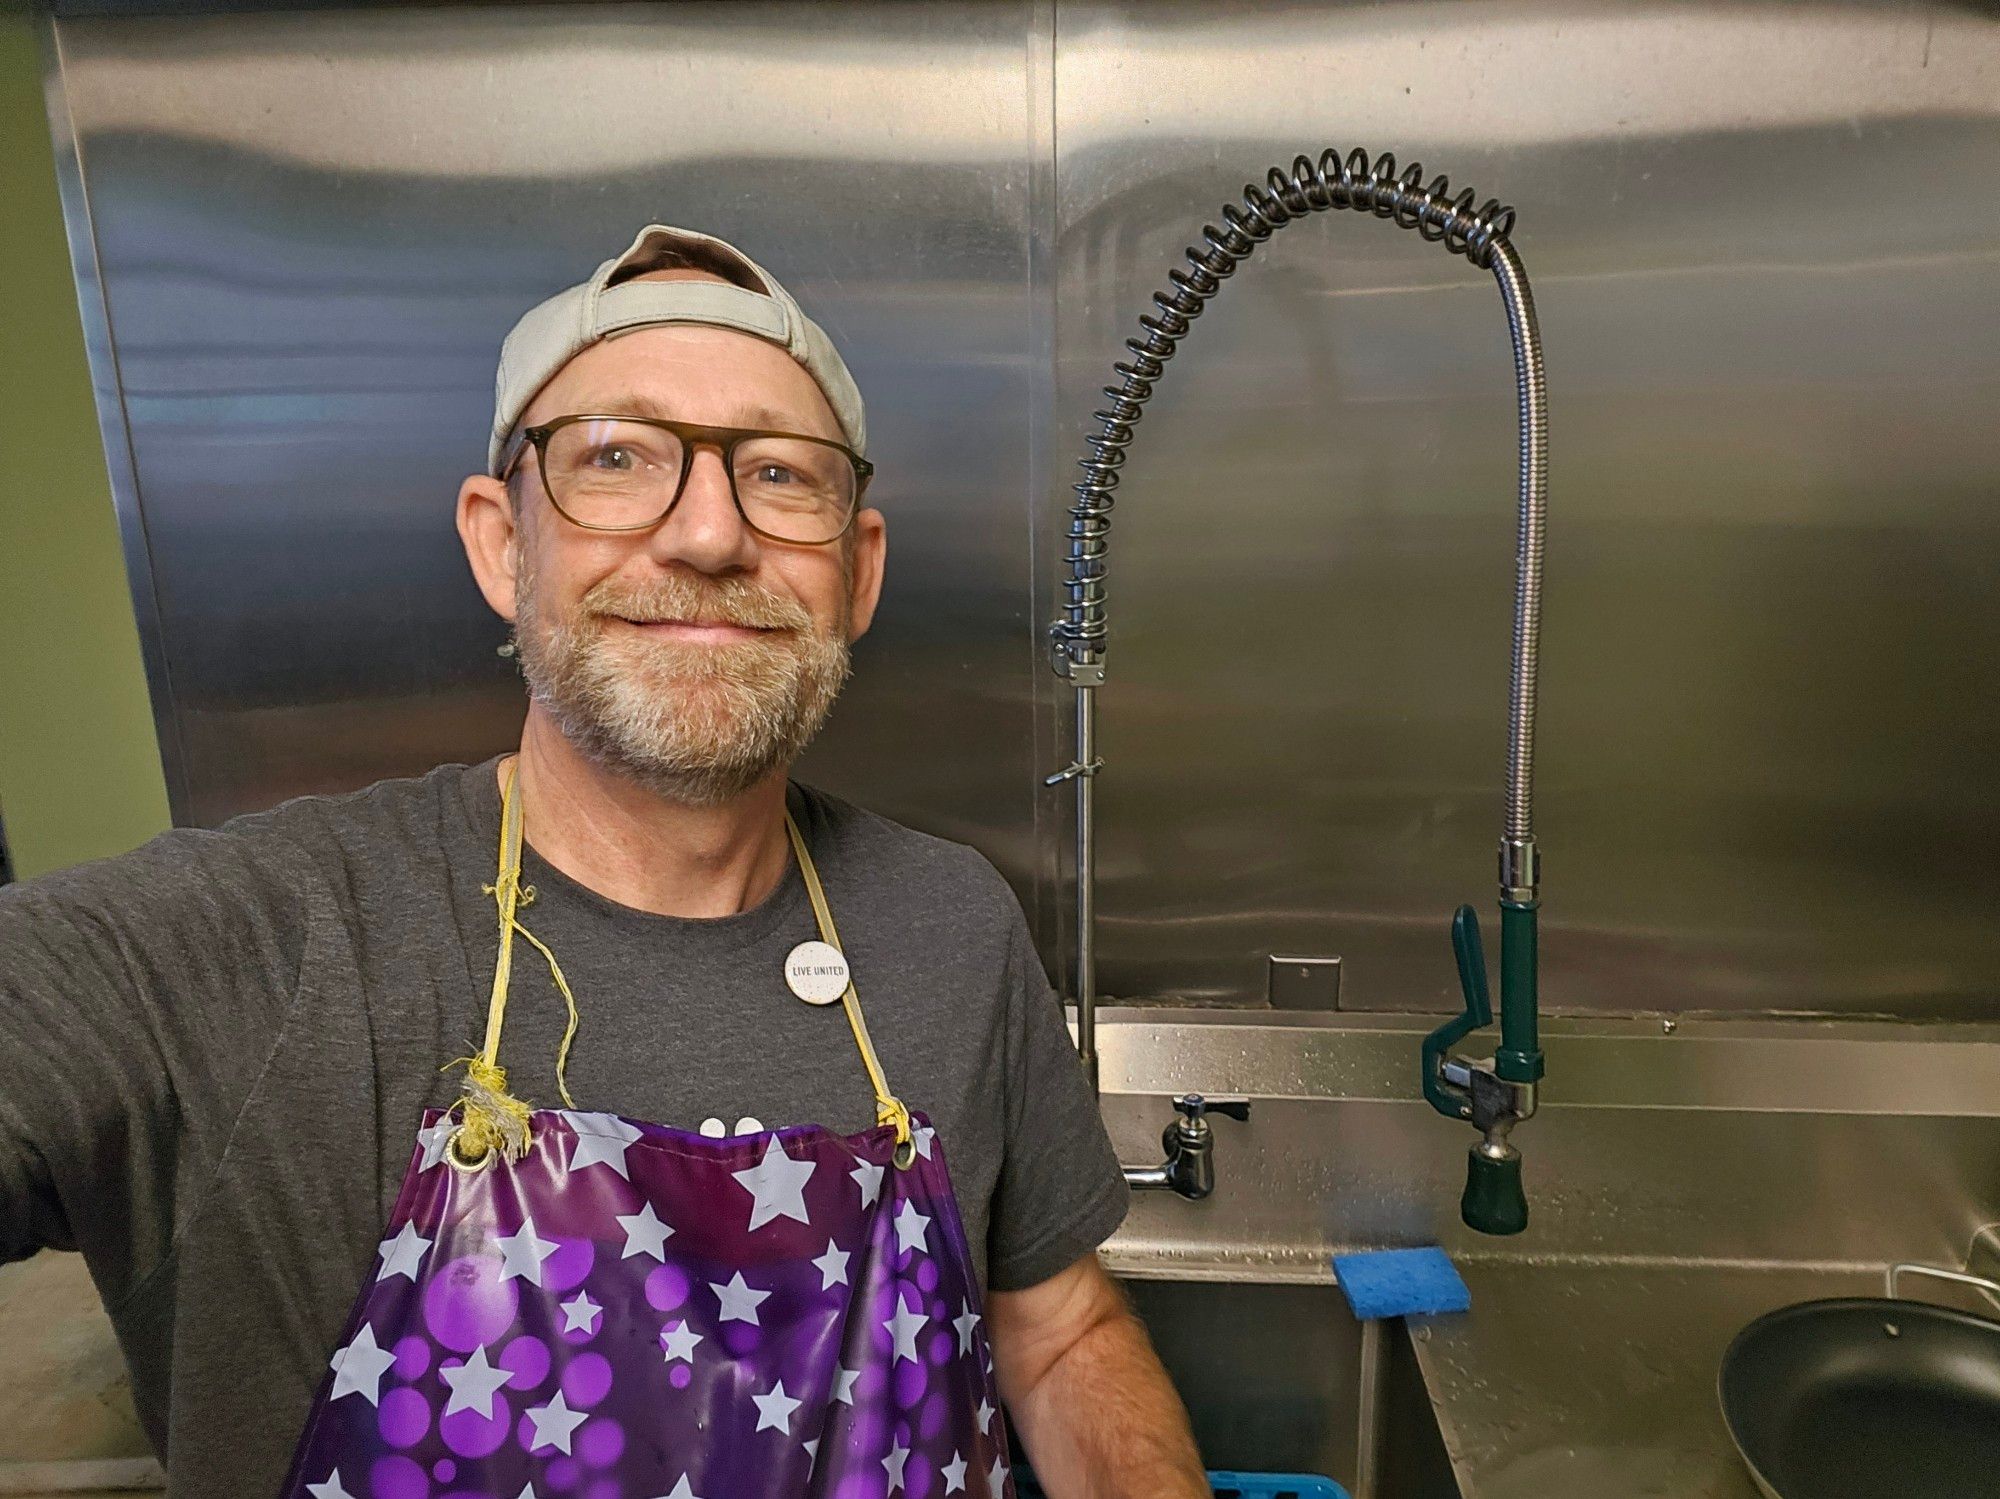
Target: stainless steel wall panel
1768, 704
313, 229
1763, 262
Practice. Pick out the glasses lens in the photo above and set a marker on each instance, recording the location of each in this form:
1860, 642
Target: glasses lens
795, 489
612, 473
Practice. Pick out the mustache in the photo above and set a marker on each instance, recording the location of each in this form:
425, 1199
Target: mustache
690, 598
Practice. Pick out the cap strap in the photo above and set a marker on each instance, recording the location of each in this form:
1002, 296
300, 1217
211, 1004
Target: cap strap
634, 304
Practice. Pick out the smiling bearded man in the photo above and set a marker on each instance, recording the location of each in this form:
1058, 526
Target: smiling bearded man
223, 1056
693, 723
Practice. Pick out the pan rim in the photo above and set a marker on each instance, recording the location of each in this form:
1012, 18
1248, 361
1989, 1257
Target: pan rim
1826, 1305
1735, 1436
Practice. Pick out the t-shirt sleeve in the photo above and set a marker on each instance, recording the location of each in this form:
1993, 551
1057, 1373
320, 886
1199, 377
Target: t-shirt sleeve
137, 995
1061, 1192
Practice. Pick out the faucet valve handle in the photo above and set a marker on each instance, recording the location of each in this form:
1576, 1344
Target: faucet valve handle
1193, 1105
1470, 950
1449, 1095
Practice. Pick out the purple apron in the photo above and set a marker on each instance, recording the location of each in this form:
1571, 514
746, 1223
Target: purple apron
573, 1305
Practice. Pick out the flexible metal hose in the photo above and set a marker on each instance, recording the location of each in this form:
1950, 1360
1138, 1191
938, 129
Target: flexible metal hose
1532, 395
1078, 634
1481, 236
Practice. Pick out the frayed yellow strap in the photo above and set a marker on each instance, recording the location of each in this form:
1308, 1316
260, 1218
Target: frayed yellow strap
489, 1116
889, 1108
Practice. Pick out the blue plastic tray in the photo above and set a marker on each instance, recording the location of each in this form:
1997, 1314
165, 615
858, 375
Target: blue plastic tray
1274, 1486
1235, 1486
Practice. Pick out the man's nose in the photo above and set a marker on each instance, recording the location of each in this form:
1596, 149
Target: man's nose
704, 530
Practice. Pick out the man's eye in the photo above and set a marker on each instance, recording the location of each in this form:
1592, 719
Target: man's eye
774, 473
617, 459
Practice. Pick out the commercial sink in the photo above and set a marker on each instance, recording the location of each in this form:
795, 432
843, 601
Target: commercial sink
1684, 1175
1282, 1379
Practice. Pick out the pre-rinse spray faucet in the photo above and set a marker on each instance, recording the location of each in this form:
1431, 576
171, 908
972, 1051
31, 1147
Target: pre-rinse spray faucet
1493, 1093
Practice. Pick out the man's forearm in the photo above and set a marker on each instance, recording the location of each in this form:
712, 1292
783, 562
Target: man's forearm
1104, 1422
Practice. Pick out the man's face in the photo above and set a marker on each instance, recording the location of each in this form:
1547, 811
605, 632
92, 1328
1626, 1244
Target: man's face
697, 657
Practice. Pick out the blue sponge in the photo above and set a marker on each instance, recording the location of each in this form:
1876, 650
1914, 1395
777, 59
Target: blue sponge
1401, 1283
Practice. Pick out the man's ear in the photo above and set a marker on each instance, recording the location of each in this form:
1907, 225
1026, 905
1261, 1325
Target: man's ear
869, 542
486, 525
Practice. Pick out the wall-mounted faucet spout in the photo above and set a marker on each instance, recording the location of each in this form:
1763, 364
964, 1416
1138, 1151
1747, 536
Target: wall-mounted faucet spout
1188, 1169
1493, 1093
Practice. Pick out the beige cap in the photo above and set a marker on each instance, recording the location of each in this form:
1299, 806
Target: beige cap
549, 336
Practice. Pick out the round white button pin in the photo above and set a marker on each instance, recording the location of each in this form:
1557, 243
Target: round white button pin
816, 972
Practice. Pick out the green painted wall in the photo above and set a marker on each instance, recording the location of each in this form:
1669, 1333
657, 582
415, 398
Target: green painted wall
79, 764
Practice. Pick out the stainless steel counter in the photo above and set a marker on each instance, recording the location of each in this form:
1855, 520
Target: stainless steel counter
1685, 1175
1578, 1381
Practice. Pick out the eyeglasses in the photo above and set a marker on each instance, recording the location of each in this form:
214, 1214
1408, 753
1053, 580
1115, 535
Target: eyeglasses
625, 473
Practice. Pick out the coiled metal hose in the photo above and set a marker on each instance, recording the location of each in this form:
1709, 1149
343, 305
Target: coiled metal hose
1480, 234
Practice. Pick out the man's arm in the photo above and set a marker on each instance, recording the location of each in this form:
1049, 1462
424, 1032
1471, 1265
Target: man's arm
1100, 1418
137, 997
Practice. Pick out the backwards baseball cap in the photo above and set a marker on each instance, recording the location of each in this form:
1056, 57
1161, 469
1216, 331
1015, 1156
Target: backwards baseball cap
549, 336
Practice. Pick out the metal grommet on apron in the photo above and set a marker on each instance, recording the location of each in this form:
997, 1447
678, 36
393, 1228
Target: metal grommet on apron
580, 1301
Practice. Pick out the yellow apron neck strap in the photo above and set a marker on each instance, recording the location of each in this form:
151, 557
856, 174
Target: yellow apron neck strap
489, 1116
889, 1108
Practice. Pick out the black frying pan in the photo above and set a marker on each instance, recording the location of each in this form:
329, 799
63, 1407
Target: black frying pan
1868, 1398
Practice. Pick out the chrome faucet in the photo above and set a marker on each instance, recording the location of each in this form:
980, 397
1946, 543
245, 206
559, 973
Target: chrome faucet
1189, 1169
1493, 1094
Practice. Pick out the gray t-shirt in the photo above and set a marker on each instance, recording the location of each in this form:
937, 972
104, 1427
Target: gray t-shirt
214, 1051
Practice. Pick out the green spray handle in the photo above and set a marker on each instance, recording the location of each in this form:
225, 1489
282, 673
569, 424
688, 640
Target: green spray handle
1493, 1096
1477, 1014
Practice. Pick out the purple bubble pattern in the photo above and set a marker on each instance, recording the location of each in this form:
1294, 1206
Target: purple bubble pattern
844, 1355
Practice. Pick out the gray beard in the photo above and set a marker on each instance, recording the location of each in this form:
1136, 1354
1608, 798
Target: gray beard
694, 724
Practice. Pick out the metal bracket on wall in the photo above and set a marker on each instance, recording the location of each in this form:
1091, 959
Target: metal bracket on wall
1302, 983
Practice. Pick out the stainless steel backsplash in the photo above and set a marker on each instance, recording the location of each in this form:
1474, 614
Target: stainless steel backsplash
1767, 264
